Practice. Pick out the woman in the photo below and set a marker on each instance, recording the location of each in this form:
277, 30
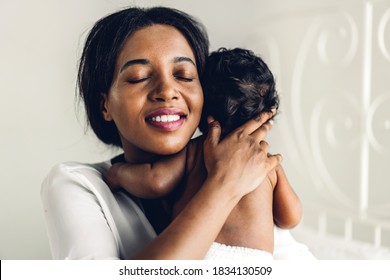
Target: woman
138, 64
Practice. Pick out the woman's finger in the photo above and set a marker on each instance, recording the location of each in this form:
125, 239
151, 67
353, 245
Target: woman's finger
214, 132
261, 133
273, 161
252, 125
264, 146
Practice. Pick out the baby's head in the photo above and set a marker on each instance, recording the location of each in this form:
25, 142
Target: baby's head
237, 87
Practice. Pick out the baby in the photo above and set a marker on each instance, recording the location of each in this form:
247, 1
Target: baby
237, 87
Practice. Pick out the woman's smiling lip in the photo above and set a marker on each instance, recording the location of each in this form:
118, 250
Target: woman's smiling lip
166, 119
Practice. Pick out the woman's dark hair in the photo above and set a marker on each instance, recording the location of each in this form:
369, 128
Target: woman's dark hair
103, 45
237, 86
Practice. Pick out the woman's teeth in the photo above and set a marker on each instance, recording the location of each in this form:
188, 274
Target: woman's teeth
166, 118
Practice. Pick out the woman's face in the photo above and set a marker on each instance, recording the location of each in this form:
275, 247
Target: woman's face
155, 98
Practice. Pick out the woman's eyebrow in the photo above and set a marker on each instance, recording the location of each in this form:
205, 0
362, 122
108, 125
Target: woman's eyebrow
143, 61
134, 61
183, 59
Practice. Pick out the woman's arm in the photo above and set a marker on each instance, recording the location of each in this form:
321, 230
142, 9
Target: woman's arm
233, 166
79, 229
287, 208
148, 180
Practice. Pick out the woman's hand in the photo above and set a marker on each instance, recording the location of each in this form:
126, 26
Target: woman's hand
240, 161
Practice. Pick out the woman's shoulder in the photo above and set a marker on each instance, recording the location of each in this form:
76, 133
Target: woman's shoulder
78, 204
72, 167
73, 174
66, 168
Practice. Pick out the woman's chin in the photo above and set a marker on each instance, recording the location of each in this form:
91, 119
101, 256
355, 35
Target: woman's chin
171, 145
165, 151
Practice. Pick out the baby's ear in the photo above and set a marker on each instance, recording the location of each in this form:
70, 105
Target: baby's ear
104, 107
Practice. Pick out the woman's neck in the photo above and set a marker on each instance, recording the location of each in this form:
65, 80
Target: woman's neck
135, 155
139, 156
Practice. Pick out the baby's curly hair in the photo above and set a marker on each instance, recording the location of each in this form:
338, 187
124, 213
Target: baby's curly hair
237, 87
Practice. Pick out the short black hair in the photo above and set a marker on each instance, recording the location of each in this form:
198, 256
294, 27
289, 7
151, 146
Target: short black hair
237, 86
103, 45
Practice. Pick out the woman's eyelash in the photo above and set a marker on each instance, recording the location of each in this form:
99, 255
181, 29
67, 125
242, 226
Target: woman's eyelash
185, 79
135, 81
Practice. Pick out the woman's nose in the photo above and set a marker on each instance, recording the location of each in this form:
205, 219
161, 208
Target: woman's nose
165, 90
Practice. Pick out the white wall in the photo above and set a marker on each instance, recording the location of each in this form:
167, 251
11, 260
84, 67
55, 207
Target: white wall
39, 48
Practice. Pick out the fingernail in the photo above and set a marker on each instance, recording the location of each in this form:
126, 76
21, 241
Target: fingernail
273, 110
271, 122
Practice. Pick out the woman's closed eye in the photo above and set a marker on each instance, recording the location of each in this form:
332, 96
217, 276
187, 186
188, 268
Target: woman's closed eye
183, 75
137, 80
184, 79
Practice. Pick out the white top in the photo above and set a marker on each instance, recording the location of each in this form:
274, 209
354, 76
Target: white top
85, 220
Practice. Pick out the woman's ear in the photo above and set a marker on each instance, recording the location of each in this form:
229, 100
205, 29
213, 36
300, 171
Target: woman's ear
104, 107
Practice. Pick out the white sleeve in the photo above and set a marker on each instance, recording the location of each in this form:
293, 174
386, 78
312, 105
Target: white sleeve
287, 248
76, 225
